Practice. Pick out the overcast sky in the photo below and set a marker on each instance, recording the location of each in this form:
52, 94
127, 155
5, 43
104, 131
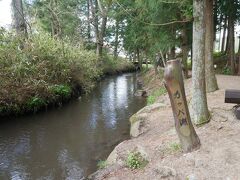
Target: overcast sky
5, 12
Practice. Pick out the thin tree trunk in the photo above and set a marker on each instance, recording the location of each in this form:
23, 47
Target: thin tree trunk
104, 13
101, 36
211, 81
139, 59
185, 50
88, 21
172, 53
224, 35
199, 99
239, 65
18, 18
239, 45
94, 9
155, 63
231, 54
116, 39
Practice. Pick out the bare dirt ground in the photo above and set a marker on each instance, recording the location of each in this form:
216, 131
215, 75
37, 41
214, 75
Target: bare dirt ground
219, 154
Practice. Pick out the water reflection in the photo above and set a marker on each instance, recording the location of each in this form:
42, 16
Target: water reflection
66, 143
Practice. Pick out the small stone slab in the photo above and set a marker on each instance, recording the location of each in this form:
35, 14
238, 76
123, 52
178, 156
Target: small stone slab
237, 112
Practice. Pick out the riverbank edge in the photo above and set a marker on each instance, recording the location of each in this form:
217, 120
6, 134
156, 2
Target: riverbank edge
146, 79
59, 100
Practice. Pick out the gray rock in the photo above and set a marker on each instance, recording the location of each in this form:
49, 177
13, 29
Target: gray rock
139, 124
164, 171
140, 93
151, 108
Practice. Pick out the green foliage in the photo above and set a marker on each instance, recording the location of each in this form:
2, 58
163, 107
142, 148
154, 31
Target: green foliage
227, 71
44, 69
218, 54
61, 90
174, 147
135, 160
102, 164
35, 103
112, 65
153, 97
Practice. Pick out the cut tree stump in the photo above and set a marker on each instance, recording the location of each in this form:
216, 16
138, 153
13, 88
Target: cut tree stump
175, 86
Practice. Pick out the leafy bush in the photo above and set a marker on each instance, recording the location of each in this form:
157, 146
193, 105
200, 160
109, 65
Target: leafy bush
226, 71
61, 90
102, 164
218, 54
112, 65
27, 73
174, 147
135, 160
153, 97
36, 103
42, 67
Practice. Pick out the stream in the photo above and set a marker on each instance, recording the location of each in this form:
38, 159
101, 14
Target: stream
68, 142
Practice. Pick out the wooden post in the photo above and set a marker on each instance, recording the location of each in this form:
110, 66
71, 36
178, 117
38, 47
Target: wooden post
174, 84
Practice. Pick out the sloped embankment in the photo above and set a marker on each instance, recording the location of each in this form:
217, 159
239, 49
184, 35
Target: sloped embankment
157, 142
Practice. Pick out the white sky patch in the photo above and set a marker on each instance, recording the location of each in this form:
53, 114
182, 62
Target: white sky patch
5, 13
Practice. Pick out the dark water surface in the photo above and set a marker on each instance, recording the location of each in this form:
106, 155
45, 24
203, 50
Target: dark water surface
67, 143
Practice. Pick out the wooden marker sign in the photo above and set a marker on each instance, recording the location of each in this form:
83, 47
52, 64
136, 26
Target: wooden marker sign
174, 84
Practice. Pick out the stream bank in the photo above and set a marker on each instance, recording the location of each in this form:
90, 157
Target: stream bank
155, 139
69, 142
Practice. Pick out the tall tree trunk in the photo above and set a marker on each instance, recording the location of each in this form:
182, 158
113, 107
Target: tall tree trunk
139, 59
18, 18
101, 36
224, 35
185, 50
172, 53
88, 21
231, 55
238, 44
94, 9
211, 81
239, 65
199, 99
104, 13
56, 27
115, 53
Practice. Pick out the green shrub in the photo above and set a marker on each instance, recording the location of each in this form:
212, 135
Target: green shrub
35, 103
46, 67
61, 90
227, 71
218, 54
153, 97
174, 147
135, 160
102, 164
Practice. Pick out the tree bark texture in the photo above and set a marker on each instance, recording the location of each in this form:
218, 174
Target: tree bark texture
211, 81
175, 87
185, 51
115, 53
224, 35
18, 18
231, 42
88, 21
199, 98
